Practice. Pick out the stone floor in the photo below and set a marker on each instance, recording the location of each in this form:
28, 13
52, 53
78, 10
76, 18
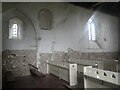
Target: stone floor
49, 81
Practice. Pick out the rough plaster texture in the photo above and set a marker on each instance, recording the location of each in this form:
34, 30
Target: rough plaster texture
43, 60
43, 67
59, 56
72, 54
91, 56
45, 56
17, 61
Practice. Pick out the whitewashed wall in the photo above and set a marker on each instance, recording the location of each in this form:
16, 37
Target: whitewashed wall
69, 31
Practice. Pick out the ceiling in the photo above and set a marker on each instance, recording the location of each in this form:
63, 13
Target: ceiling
112, 8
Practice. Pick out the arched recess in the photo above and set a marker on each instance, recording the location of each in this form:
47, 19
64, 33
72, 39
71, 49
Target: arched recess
16, 26
25, 48
45, 17
29, 32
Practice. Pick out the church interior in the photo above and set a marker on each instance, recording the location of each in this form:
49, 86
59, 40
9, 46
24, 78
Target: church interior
67, 45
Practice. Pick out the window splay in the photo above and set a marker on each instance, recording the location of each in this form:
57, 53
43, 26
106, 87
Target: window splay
15, 26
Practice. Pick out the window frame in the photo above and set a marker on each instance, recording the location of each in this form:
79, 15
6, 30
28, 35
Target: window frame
91, 30
19, 28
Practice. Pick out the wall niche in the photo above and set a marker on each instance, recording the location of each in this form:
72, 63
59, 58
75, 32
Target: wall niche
45, 19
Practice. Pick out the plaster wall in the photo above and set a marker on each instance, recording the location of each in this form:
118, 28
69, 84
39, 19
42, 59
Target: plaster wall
107, 31
28, 38
69, 30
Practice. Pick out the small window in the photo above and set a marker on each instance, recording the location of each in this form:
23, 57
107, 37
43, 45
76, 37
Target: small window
91, 28
92, 35
15, 27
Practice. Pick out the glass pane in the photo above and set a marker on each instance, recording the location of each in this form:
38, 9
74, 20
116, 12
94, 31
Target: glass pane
15, 30
15, 26
93, 31
89, 31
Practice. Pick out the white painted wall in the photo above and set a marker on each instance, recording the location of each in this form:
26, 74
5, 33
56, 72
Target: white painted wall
68, 25
28, 39
70, 29
107, 29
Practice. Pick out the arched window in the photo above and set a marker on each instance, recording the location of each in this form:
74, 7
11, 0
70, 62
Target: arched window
15, 28
45, 19
93, 44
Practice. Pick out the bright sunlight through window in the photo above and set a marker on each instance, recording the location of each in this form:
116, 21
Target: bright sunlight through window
91, 28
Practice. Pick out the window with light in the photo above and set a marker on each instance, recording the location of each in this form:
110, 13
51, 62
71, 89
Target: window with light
91, 28
15, 28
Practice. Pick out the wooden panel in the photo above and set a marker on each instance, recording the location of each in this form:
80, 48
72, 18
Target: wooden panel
65, 71
65, 77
